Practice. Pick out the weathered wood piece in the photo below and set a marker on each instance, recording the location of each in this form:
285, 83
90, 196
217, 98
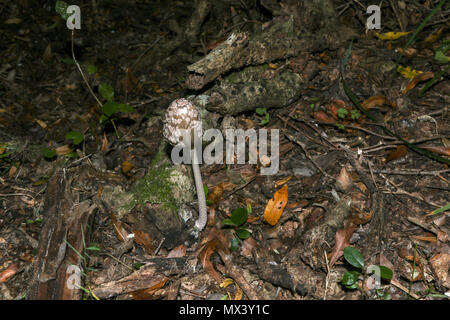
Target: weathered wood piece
240, 49
57, 267
152, 273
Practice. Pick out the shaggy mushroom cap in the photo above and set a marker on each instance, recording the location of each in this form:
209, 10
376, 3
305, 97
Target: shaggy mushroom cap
181, 115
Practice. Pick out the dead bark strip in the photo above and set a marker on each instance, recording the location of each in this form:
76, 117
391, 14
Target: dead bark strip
149, 275
57, 267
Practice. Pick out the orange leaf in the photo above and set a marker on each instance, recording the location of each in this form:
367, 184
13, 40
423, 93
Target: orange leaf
8, 272
143, 239
322, 116
276, 205
375, 101
419, 78
397, 153
205, 258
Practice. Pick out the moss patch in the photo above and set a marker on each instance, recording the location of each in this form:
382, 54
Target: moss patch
156, 186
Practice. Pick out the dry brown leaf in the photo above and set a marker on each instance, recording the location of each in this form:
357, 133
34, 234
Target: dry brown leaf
143, 239
433, 37
149, 293
126, 166
424, 238
397, 153
440, 150
375, 101
215, 196
419, 78
63, 150
205, 259
177, 252
343, 181
105, 143
342, 240
8, 272
322, 117
276, 205
440, 263
121, 233
279, 183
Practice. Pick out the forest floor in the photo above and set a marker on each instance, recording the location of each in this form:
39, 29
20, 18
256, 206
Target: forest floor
339, 167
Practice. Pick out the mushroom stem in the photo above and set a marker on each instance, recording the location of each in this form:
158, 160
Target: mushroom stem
202, 212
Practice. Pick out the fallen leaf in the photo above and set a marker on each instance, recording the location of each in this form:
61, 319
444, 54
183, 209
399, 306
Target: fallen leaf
121, 233
322, 117
391, 35
63, 150
440, 263
276, 205
105, 143
419, 78
126, 166
343, 181
407, 72
433, 37
143, 239
205, 259
397, 153
440, 150
8, 272
375, 101
215, 196
149, 293
177, 252
282, 181
225, 283
342, 240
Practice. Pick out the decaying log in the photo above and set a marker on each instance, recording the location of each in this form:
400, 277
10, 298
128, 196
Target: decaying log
240, 49
234, 97
152, 273
57, 267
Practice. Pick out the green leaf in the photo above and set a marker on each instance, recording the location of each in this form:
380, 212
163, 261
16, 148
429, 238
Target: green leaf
92, 69
354, 257
266, 120
261, 111
61, 8
249, 208
75, 136
350, 277
106, 91
354, 114
342, 113
228, 222
67, 60
93, 248
234, 244
243, 233
125, 108
109, 108
442, 209
386, 273
239, 216
103, 118
49, 153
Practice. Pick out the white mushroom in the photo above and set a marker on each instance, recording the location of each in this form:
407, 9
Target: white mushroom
183, 117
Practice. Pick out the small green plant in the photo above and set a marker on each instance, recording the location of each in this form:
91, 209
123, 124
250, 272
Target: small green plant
111, 108
263, 112
237, 221
356, 259
342, 113
354, 114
